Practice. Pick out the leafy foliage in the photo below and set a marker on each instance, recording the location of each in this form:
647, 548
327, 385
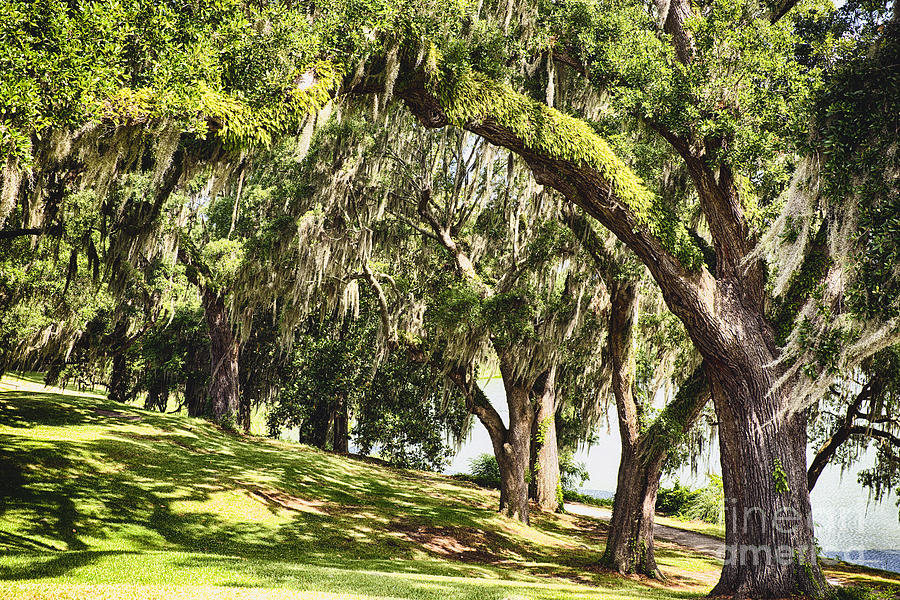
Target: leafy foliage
402, 411
704, 504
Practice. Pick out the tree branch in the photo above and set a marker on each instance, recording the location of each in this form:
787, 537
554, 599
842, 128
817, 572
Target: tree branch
6, 234
876, 433
390, 334
690, 294
827, 451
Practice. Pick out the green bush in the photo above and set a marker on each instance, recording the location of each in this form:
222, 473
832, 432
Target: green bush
484, 470
709, 503
674, 500
705, 504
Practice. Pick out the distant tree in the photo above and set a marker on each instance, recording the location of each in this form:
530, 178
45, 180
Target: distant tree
335, 387
172, 360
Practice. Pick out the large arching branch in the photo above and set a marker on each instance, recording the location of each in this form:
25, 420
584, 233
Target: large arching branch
689, 289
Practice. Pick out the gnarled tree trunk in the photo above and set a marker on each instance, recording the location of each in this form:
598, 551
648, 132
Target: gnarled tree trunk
629, 544
514, 452
769, 539
544, 451
223, 353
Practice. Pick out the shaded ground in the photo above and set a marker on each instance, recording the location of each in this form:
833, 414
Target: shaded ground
102, 500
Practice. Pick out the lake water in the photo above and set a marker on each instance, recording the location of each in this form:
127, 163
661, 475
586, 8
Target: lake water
848, 525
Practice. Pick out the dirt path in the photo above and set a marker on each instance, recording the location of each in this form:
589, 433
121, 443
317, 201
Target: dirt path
699, 542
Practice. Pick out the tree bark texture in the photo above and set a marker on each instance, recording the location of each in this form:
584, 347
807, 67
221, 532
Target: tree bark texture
629, 545
223, 352
769, 538
544, 451
630, 542
514, 452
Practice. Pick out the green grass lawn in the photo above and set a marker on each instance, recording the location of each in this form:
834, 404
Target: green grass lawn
104, 500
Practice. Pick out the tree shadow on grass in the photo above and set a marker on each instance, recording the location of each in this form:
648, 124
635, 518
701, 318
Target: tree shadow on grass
52, 565
170, 483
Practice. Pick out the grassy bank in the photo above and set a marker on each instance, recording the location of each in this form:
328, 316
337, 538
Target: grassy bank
103, 500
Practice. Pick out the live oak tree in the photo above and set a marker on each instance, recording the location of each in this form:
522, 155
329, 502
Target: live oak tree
333, 376
645, 440
504, 290
758, 388
744, 92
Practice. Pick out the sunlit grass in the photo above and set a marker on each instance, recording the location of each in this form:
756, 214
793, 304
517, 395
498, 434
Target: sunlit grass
104, 500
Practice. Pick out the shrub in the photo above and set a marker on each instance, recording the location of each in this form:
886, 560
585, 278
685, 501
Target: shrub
708, 504
484, 470
674, 500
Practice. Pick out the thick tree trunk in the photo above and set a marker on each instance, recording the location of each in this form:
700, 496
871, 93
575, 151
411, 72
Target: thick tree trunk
515, 451
223, 351
118, 379
511, 451
544, 452
629, 545
769, 539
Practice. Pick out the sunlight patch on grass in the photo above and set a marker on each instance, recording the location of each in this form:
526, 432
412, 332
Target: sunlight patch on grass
142, 502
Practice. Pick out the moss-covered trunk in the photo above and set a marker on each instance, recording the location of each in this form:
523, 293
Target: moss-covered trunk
515, 451
629, 545
769, 533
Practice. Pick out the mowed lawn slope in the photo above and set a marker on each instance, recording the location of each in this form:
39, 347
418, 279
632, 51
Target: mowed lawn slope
103, 500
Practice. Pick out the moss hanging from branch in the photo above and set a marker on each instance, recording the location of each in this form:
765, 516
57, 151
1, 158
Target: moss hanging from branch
468, 97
